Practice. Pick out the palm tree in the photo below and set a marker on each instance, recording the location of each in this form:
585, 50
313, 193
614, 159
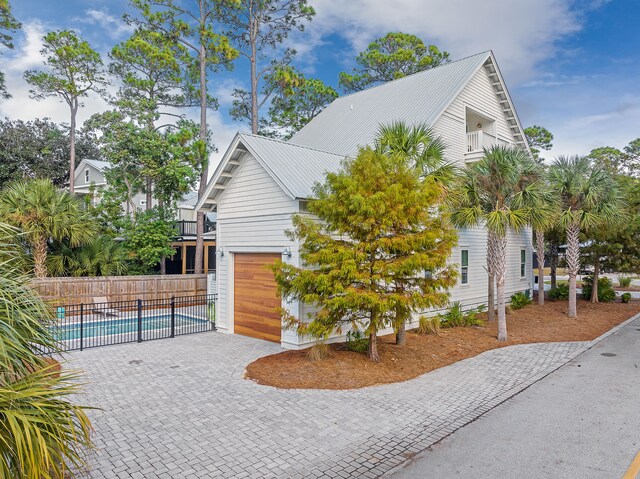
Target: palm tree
498, 192
44, 213
588, 197
43, 434
101, 257
425, 151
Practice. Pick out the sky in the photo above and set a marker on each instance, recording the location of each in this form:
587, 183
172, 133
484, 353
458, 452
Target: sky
571, 66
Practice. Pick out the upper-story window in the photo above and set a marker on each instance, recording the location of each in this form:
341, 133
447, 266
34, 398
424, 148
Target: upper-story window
464, 266
523, 263
86, 175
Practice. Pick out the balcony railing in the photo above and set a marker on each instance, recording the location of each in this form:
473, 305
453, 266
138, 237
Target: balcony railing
189, 228
478, 140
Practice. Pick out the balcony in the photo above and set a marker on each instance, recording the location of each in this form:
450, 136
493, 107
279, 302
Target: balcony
188, 228
477, 141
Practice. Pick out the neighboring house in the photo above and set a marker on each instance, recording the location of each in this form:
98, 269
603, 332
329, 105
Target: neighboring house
90, 179
261, 182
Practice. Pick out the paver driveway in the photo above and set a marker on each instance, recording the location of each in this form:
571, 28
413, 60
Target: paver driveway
179, 408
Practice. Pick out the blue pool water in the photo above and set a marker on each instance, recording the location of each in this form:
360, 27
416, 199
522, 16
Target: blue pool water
94, 329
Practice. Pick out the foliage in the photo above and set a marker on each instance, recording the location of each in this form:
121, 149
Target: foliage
456, 316
148, 238
611, 158
539, 138
606, 293
624, 281
378, 226
43, 214
101, 257
39, 149
256, 28
390, 57
43, 432
520, 299
429, 325
560, 292
357, 341
8, 26
625, 297
296, 101
500, 192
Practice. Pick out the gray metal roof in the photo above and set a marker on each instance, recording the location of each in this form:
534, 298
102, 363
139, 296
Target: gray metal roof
296, 168
97, 164
189, 199
353, 120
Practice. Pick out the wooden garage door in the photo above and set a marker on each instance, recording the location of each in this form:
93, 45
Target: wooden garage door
256, 296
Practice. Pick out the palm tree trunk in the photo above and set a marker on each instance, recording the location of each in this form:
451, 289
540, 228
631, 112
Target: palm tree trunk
596, 276
540, 252
553, 265
573, 265
501, 267
493, 256
491, 298
40, 257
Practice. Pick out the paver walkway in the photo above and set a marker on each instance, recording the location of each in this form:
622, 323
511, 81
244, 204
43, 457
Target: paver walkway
179, 408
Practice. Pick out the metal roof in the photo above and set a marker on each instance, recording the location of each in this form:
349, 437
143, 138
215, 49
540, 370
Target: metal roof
353, 120
296, 168
97, 164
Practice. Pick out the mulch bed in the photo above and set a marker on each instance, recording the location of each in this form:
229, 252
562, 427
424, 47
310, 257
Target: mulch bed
424, 353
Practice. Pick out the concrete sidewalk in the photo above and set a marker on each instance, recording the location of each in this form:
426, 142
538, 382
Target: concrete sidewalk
582, 421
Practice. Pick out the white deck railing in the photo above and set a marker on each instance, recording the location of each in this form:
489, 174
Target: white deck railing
477, 140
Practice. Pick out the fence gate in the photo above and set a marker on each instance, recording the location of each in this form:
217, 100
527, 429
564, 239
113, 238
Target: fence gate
103, 323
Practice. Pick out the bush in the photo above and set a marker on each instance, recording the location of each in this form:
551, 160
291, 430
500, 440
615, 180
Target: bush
624, 281
357, 341
559, 292
429, 325
606, 294
626, 297
520, 299
457, 317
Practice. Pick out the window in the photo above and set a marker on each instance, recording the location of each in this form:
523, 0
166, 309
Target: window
523, 263
464, 266
86, 175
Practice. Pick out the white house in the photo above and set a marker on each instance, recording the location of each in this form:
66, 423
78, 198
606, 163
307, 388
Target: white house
261, 182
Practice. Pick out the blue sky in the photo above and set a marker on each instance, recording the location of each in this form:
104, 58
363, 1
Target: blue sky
570, 65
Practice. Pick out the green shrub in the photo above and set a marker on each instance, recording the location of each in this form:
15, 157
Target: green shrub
357, 341
429, 325
559, 292
606, 294
457, 317
624, 281
625, 297
520, 299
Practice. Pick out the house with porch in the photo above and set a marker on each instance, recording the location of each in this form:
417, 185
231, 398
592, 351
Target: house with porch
91, 178
261, 182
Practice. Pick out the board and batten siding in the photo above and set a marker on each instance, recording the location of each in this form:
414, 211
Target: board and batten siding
253, 215
479, 95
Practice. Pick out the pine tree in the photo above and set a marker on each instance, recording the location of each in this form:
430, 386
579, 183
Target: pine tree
379, 226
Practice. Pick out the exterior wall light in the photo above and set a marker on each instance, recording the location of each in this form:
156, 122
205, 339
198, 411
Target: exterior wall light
287, 252
221, 251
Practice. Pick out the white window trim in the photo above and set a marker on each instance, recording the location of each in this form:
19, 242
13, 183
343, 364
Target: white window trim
461, 249
520, 264
86, 175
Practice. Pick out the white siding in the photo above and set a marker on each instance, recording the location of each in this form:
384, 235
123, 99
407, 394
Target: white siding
253, 215
480, 96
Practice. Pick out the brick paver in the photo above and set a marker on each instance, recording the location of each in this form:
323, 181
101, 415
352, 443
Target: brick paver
179, 408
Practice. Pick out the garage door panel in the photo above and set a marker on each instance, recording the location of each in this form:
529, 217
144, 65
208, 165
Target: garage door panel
256, 296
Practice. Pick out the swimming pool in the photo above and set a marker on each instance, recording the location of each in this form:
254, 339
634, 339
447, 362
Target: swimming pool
95, 329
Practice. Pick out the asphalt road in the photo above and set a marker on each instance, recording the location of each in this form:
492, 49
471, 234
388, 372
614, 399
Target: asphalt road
582, 421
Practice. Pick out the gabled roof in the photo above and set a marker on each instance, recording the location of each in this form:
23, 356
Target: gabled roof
352, 121
97, 164
295, 168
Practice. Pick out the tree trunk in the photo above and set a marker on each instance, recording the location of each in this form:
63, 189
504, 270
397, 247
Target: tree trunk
553, 264
373, 347
500, 269
72, 147
199, 259
540, 252
596, 275
149, 193
163, 266
401, 334
573, 265
493, 257
40, 257
254, 82
491, 298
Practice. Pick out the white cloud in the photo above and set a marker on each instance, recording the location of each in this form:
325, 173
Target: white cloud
27, 55
522, 33
114, 26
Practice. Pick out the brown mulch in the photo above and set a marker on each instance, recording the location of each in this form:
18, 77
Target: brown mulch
424, 353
